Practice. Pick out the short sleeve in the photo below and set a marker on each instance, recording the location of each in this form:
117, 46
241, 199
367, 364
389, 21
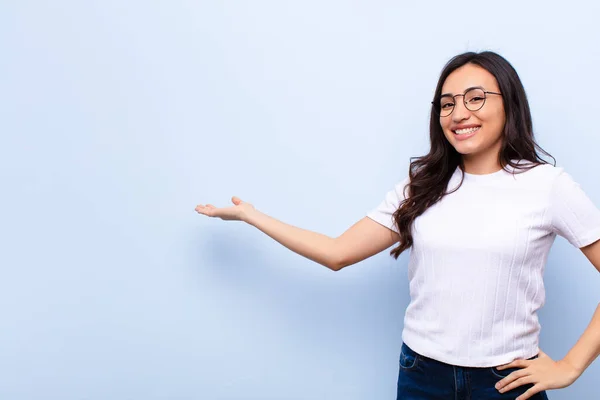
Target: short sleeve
383, 213
574, 215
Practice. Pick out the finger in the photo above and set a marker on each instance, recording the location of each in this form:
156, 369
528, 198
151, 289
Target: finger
519, 382
514, 364
511, 378
206, 210
530, 392
236, 200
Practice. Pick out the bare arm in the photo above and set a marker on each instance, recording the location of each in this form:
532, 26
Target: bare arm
587, 348
362, 240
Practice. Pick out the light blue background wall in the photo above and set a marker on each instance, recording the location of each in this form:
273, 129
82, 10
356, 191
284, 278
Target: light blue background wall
117, 118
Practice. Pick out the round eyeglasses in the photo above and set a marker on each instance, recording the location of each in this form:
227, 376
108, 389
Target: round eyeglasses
474, 99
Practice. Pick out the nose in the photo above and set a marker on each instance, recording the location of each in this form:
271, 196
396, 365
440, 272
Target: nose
460, 111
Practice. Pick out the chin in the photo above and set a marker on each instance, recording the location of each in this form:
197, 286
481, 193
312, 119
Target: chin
465, 152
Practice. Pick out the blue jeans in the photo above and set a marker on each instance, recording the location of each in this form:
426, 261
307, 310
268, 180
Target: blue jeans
422, 378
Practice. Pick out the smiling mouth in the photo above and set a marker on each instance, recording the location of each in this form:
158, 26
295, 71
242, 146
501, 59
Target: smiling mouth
466, 131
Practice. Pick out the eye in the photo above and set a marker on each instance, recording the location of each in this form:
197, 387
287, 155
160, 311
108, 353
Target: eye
447, 106
475, 99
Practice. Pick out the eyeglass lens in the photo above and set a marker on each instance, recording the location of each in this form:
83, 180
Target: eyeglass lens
473, 98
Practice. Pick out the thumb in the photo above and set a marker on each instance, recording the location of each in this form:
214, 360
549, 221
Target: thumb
236, 200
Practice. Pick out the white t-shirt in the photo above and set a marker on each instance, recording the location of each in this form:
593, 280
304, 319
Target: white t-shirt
477, 262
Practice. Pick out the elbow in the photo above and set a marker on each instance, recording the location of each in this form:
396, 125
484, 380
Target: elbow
335, 268
336, 258
336, 265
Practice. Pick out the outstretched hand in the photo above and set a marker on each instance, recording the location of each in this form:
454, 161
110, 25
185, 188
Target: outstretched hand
543, 372
235, 213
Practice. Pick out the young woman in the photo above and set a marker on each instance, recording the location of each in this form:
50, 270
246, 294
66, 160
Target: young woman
479, 214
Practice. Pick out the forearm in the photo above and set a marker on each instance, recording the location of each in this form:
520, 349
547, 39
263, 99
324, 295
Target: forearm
587, 347
312, 245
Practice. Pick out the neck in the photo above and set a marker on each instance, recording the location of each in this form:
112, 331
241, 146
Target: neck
480, 165
483, 162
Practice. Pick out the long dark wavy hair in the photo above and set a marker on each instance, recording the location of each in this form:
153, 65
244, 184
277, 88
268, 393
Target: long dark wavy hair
429, 175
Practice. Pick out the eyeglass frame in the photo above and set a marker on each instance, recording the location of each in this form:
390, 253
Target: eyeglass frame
485, 93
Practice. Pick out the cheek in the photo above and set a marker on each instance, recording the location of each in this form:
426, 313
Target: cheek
494, 121
445, 124
499, 124
448, 134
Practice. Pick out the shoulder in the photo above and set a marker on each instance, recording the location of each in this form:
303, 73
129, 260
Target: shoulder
401, 188
541, 175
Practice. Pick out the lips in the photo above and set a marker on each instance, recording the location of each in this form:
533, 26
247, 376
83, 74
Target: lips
465, 129
465, 133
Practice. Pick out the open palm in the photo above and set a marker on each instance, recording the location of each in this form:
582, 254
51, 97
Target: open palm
237, 212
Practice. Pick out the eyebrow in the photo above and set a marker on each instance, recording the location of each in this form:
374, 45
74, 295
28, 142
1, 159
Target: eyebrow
467, 89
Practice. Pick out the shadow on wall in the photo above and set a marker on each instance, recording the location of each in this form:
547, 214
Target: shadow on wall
235, 257
568, 311
562, 318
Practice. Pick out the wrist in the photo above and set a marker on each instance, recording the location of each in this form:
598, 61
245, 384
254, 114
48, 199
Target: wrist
574, 366
249, 216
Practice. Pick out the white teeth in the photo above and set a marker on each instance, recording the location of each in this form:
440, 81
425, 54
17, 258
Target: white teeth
467, 130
